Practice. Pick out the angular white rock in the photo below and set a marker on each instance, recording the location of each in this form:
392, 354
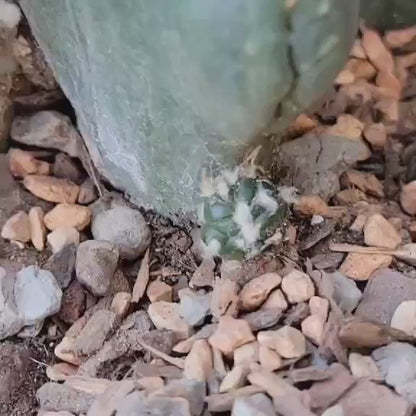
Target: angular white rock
194, 306
363, 366
404, 317
37, 294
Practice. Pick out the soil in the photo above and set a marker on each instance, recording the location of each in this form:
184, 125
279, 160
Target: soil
22, 372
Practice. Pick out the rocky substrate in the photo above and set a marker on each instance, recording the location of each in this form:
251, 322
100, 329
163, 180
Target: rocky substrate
141, 322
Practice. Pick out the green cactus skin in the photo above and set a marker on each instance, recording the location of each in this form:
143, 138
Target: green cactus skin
162, 88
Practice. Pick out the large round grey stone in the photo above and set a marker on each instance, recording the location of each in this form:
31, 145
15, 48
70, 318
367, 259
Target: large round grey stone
123, 226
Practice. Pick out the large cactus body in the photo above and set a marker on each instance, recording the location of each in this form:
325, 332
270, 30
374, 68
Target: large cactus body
162, 87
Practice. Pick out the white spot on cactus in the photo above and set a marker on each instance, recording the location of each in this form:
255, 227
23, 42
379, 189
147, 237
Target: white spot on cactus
207, 185
265, 200
250, 230
231, 176
222, 188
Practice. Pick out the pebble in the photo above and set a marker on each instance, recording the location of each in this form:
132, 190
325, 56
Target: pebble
119, 283
398, 38
199, 362
377, 52
363, 366
31, 331
287, 341
276, 300
52, 189
234, 379
158, 290
367, 396
95, 265
124, 227
62, 264
10, 322
296, 314
68, 215
247, 354
312, 205
269, 358
37, 228
319, 306
360, 333
255, 292
389, 84
150, 383
380, 233
17, 228
120, 304
204, 274
366, 182
397, 364
37, 294
87, 192
313, 328
361, 69
359, 266
386, 290
313, 163
62, 237
328, 392
404, 317
317, 219
65, 167
345, 292
165, 315
263, 318
376, 135
257, 404
358, 224
298, 287
48, 129
347, 126
62, 397
334, 411
60, 371
23, 163
73, 303
224, 298
230, 334
191, 390
65, 351
350, 197
92, 336
194, 306
274, 385
408, 198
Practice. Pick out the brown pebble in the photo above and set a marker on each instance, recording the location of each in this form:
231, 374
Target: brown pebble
52, 189
68, 215
17, 228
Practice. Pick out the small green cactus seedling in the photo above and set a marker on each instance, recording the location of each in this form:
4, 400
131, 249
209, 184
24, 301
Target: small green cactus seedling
239, 214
